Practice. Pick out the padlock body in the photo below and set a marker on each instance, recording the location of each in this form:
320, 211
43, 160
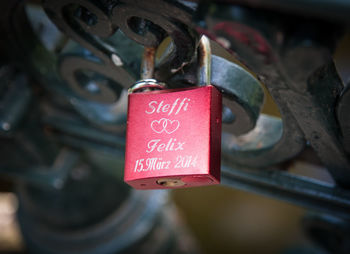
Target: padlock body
175, 136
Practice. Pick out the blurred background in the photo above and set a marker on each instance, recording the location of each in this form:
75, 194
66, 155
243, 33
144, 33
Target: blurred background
219, 219
79, 203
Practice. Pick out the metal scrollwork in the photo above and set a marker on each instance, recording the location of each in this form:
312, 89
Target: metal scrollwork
149, 22
300, 76
243, 96
98, 76
265, 143
64, 107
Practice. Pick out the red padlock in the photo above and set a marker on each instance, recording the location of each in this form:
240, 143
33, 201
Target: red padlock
173, 137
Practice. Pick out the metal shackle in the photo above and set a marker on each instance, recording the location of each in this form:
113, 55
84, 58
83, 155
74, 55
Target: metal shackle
147, 83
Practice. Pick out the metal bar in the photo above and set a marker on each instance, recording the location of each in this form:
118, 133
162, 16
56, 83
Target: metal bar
291, 188
84, 131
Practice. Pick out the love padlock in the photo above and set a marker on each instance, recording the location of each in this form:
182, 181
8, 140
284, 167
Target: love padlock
174, 135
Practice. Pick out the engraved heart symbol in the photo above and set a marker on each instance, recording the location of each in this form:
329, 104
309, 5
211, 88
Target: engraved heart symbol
159, 126
171, 126
163, 124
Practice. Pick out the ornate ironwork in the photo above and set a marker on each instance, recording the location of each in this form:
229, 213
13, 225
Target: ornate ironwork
75, 101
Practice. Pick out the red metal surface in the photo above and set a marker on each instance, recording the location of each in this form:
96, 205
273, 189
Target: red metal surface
173, 134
